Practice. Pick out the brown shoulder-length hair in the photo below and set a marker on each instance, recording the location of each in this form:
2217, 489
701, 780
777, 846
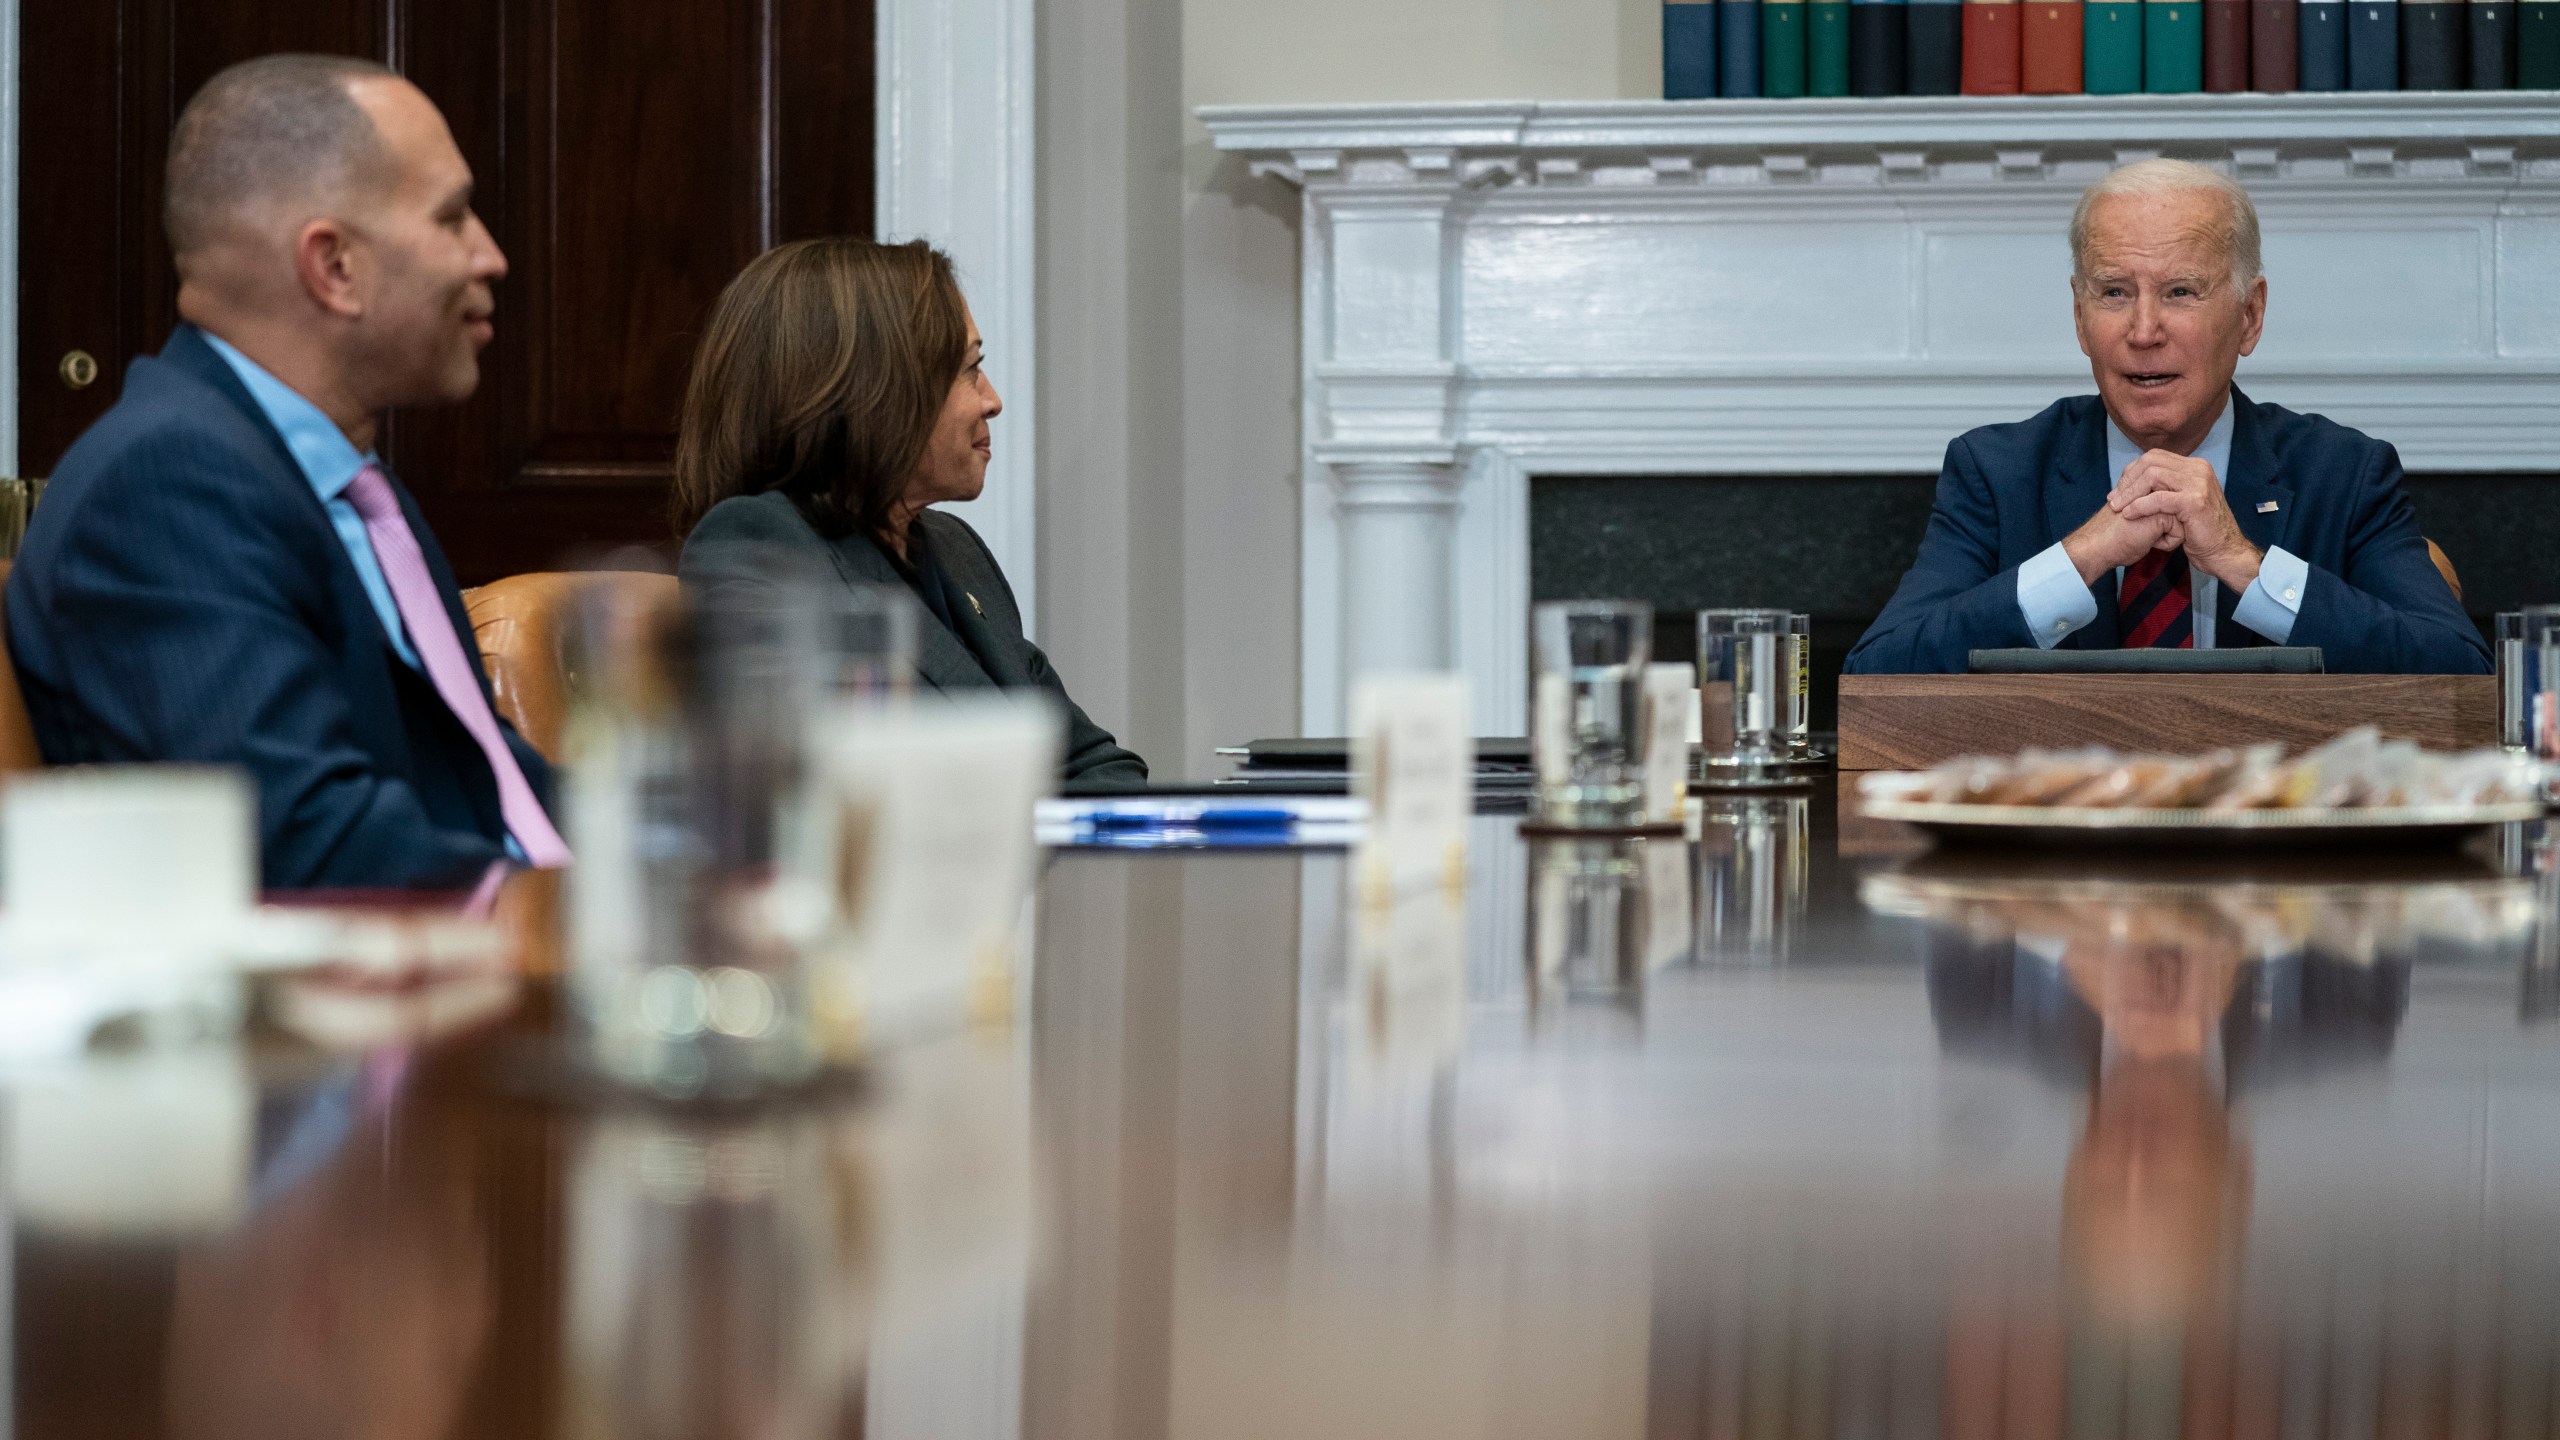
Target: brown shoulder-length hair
821, 374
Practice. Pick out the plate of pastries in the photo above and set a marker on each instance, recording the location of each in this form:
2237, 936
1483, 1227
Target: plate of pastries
2356, 789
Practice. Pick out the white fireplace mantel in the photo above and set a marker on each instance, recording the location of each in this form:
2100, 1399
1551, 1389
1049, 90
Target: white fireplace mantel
1496, 290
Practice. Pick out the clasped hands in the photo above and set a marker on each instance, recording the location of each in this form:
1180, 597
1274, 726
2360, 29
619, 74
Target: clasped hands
2166, 502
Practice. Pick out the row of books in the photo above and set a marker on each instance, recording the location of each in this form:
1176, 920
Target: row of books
1787, 48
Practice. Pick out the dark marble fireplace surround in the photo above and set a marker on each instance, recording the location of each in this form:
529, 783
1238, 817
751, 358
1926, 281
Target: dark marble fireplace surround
1833, 546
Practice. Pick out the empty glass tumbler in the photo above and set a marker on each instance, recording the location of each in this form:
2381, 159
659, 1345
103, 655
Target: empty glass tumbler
1587, 717
1746, 681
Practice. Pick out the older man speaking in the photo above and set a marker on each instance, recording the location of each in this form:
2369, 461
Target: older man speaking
222, 570
2169, 509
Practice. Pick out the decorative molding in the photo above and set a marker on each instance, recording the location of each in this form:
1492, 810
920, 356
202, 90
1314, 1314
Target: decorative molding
1491, 291
955, 166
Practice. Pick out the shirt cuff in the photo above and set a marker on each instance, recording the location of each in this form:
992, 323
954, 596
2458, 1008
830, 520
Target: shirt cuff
2053, 597
2274, 600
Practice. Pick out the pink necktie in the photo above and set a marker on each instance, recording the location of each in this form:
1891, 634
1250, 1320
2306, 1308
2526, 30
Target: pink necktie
430, 628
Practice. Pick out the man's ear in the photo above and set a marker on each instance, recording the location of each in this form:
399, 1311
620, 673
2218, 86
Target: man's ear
2253, 314
329, 261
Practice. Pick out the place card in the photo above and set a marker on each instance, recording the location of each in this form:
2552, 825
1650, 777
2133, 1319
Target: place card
918, 842
1413, 754
1670, 703
127, 864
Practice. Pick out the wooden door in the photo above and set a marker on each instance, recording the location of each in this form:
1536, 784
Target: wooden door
631, 156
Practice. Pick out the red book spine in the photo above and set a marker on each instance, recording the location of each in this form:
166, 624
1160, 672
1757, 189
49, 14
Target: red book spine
1991, 45
2226, 46
2274, 60
2049, 55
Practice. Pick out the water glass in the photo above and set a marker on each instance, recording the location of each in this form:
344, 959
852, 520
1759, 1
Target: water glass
688, 756
2515, 679
1586, 726
1797, 652
2541, 689
1745, 678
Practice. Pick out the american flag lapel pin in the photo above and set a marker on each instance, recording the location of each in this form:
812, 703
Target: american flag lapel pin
2266, 507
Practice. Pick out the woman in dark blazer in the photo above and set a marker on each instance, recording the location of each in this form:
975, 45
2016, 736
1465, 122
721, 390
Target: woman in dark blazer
836, 396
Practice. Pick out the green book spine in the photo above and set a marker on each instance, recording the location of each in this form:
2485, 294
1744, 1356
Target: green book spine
1826, 47
2111, 47
2173, 46
2538, 45
1782, 26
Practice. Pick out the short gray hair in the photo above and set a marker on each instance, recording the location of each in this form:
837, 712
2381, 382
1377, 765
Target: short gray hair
277, 128
2162, 177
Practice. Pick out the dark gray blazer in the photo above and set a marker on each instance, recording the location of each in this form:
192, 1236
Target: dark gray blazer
743, 537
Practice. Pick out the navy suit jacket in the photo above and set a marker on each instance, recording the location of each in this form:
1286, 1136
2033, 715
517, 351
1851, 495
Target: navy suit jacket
182, 597
2375, 605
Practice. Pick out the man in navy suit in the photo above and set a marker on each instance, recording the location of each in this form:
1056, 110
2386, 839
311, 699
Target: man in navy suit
2169, 509
221, 571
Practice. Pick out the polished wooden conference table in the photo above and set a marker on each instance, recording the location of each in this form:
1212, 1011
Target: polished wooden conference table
1793, 1129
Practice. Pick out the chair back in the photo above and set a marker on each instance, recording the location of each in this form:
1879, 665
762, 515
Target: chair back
520, 622
2444, 567
17, 733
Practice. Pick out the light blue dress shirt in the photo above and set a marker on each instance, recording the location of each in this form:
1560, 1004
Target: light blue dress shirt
2056, 602
330, 462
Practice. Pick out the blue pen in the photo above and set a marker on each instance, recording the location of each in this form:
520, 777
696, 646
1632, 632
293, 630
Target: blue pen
1203, 820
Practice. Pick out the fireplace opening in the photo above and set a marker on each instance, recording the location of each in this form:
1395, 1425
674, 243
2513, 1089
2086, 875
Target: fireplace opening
1834, 546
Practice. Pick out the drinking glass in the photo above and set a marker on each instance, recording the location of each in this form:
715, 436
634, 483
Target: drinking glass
1797, 652
2541, 686
1744, 678
2515, 682
1586, 726
689, 752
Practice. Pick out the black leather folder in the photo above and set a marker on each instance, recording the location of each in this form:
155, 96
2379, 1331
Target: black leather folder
2252, 660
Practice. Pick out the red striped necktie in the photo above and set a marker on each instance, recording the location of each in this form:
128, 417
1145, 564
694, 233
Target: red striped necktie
440, 652
2152, 608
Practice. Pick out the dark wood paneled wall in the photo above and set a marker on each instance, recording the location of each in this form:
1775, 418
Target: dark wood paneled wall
631, 156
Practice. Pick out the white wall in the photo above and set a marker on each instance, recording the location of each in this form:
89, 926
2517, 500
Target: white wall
1169, 451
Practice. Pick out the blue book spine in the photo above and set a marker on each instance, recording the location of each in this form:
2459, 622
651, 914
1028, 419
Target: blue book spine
1879, 46
2373, 44
1688, 49
1738, 48
2323, 54
1936, 56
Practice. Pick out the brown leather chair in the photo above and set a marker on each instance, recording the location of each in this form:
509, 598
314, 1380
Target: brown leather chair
520, 621
17, 734
2444, 567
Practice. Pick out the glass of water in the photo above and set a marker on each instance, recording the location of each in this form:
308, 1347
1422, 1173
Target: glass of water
1586, 720
1796, 652
2515, 683
2540, 684
1745, 680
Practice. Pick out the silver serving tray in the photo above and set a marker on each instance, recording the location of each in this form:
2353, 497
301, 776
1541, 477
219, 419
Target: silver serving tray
2090, 825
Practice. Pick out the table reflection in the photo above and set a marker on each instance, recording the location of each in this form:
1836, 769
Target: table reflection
1723, 1137
1752, 877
